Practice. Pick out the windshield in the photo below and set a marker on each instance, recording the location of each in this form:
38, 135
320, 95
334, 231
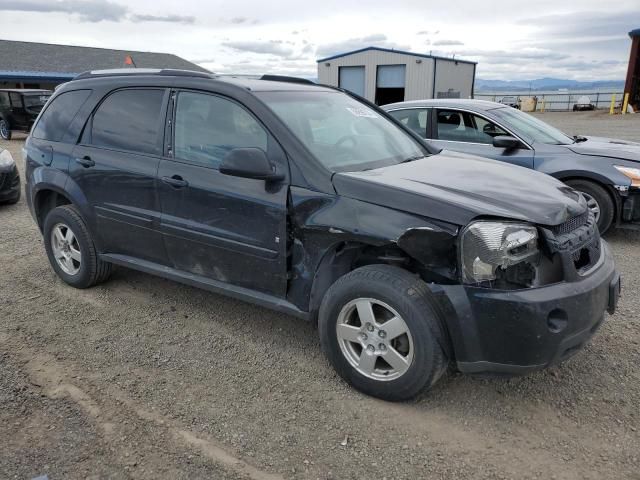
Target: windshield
342, 133
530, 128
36, 101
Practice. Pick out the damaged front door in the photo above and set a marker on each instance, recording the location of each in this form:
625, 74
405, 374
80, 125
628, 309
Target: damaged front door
219, 226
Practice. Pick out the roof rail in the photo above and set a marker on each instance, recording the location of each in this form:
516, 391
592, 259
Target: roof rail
143, 71
285, 78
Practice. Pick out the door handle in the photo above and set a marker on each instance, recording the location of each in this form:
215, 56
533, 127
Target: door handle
175, 181
86, 161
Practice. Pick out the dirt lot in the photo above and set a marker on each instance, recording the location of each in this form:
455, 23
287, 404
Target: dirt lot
145, 378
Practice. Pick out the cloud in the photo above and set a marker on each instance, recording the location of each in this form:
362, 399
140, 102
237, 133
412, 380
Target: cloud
97, 11
376, 39
586, 24
272, 47
447, 42
89, 11
527, 54
163, 18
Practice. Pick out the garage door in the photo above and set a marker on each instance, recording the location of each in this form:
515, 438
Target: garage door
391, 76
352, 79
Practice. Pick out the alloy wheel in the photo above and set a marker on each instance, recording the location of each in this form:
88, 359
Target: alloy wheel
593, 205
4, 129
66, 249
374, 339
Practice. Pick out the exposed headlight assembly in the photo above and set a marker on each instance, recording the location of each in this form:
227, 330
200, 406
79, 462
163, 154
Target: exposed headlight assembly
6, 160
493, 251
631, 173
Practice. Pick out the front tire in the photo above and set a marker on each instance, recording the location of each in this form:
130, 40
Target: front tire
598, 200
380, 330
71, 250
5, 130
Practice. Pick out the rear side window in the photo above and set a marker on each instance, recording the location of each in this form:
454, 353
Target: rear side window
61, 111
16, 99
129, 120
415, 118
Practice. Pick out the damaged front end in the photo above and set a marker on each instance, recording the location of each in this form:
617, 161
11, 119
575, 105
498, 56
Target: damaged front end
514, 255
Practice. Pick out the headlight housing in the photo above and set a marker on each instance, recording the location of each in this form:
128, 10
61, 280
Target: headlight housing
6, 160
631, 173
492, 250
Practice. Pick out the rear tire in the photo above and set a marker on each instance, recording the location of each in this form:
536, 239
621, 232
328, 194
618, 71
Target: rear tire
71, 250
599, 199
372, 355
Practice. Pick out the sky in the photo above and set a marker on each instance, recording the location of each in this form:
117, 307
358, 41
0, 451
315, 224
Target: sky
583, 40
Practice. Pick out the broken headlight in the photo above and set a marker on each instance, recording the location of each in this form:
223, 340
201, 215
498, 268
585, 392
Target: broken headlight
499, 251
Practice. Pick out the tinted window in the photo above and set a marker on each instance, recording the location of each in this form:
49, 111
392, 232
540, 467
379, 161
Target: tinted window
415, 118
36, 102
457, 126
16, 99
207, 127
56, 118
129, 120
4, 99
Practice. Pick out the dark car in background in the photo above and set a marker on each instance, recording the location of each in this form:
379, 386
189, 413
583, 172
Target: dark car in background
605, 170
310, 201
19, 108
9, 178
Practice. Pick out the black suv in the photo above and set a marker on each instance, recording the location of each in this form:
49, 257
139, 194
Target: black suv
19, 108
310, 201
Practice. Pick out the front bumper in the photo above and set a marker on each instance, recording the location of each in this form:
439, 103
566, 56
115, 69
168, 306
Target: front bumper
9, 184
515, 332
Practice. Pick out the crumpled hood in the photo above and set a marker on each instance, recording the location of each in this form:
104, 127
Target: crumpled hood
608, 147
456, 188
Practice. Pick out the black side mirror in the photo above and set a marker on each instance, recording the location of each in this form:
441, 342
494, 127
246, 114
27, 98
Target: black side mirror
506, 142
248, 163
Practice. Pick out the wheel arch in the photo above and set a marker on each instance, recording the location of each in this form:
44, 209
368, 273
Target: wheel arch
52, 188
602, 182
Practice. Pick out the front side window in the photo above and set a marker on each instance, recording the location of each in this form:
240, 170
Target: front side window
342, 133
414, 118
129, 120
55, 120
207, 127
459, 126
4, 99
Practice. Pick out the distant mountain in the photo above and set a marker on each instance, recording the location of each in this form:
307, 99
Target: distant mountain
482, 85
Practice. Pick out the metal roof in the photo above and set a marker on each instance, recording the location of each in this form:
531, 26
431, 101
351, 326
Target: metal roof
65, 61
23, 75
25, 90
401, 52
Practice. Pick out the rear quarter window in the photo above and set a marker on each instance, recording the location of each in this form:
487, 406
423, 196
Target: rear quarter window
57, 117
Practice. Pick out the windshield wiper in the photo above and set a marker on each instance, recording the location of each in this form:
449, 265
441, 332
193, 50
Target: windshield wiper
579, 139
411, 159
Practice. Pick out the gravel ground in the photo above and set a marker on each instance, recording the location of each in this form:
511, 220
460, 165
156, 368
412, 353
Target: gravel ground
144, 378
597, 123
